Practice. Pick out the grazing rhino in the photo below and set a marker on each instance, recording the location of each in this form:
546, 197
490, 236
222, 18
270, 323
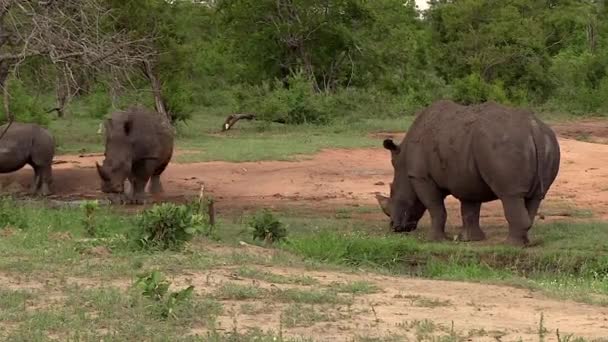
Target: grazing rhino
25, 143
138, 148
476, 154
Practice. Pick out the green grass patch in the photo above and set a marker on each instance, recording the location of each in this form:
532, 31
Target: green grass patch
247, 141
254, 273
356, 287
298, 315
570, 261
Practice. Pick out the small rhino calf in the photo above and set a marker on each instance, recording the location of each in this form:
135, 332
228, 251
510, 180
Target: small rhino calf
25, 143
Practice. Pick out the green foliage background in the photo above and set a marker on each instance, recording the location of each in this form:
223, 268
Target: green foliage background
315, 61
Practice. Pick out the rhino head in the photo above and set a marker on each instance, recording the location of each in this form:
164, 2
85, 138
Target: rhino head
403, 205
116, 166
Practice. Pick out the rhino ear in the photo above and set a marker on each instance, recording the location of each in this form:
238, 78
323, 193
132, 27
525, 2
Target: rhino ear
128, 126
390, 145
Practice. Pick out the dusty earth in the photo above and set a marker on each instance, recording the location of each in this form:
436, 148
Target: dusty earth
338, 178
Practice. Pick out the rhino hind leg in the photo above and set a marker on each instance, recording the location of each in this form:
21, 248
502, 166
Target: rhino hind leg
46, 180
519, 220
433, 199
36, 182
471, 231
42, 180
156, 187
532, 204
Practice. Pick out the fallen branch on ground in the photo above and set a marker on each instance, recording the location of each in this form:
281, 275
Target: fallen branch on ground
234, 118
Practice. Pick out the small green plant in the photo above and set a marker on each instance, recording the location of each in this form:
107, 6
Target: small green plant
267, 228
542, 331
170, 225
90, 208
154, 286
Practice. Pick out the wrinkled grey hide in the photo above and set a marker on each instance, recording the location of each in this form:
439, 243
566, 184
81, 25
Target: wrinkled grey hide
138, 148
30, 144
476, 154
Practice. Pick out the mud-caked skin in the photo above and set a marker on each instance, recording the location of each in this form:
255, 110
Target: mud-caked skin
138, 148
477, 154
30, 144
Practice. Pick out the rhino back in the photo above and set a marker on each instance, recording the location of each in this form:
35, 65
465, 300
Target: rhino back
440, 146
479, 152
513, 149
149, 137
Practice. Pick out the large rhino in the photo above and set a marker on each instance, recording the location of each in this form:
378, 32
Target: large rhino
477, 154
138, 148
25, 143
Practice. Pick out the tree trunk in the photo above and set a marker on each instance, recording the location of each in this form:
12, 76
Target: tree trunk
62, 93
4, 73
157, 92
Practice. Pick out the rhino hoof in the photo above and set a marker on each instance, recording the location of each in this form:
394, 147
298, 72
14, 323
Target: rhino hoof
467, 235
518, 241
439, 237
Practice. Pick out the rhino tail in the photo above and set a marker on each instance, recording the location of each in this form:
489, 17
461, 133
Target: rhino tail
539, 147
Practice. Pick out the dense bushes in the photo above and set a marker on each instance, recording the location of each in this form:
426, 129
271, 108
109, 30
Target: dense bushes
311, 61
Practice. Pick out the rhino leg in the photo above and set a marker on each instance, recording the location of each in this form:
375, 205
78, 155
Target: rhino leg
471, 231
36, 183
46, 180
156, 187
138, 186
532, 204
519, 220
433, 199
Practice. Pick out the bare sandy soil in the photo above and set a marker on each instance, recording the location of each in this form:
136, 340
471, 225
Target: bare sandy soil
335, 178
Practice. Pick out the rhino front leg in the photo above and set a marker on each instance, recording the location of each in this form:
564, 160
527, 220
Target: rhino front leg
138, 187
518, 217
433, 199
471, 231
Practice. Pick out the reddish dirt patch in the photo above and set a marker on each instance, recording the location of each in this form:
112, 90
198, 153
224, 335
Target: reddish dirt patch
328, 179
587, 130
332, 177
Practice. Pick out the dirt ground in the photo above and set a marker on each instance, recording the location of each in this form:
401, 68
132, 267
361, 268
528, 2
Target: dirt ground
332, 177
335, 178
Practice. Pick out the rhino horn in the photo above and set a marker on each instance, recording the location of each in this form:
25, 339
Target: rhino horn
384, 204
102, 172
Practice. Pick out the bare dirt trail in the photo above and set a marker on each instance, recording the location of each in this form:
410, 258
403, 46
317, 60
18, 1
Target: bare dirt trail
398, 307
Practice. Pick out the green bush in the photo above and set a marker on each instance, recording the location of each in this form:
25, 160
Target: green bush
154, 286
267, 228
296, 103
473, 89
169, 225
24, 106
98, 102
580, 81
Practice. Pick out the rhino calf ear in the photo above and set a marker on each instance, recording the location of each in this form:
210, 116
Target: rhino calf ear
390, 145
